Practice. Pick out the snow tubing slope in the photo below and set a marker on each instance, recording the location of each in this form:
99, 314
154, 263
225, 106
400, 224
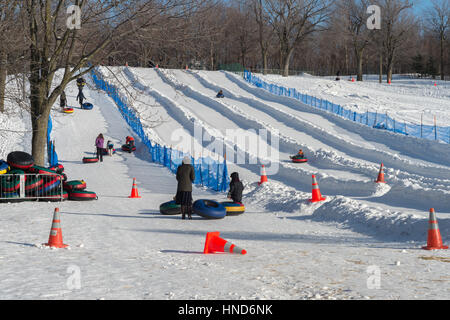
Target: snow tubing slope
20, 160
233, 208
209, 209
170, 208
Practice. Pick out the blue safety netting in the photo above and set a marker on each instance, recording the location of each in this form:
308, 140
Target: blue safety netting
52, 157
209, 173
373, 119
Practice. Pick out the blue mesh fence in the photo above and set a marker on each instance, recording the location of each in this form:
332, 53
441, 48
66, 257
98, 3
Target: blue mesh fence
52, 157
210, 173
373, 119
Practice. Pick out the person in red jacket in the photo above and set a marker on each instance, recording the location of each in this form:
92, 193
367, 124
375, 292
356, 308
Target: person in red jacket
130, 142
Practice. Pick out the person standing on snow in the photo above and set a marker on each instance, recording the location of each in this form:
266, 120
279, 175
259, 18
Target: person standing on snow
236, 188
63, 100
80, 97
185, 177
99, 145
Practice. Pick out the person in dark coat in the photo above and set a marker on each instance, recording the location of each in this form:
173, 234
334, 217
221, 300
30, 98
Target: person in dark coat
81, 98
62, 100
338, 75
185, 178
236, 188
220, 94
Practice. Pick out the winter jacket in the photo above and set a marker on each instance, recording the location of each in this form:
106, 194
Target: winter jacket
99, 142
185, 177
236, 188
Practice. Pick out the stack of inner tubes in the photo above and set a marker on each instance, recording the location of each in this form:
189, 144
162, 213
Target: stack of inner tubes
39, 182
77, 191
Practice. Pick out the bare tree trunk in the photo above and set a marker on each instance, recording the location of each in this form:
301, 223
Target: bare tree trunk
442, 38
3, 73
380, 77
359, 61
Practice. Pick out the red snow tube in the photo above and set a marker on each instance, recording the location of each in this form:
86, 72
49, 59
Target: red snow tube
20, 160
126, 147
82, 195
68, 110
301, 160
90, 160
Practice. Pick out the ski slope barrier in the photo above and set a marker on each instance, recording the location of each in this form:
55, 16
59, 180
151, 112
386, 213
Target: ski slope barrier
373, 119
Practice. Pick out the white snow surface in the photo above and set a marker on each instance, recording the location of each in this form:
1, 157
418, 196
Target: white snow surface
122, 248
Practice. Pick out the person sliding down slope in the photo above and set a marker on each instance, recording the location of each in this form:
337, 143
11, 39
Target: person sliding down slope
220, 94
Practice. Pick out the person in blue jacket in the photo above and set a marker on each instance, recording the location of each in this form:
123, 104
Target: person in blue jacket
220, 94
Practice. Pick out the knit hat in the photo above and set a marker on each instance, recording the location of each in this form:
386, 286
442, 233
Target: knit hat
187, 160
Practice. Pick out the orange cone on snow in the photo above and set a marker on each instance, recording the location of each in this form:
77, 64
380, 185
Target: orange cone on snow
263, 175
134, 190
316, 195
353, 79
380, 178
55, 239
434, 240
214, 244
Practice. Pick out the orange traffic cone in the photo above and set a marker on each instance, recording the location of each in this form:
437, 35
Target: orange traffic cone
353, 79
316, 195
263, 176
214, 244
434, 240
134, 190
55, 239
380, 178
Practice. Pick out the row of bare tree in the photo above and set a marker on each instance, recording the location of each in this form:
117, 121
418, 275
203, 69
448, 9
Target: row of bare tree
40, 37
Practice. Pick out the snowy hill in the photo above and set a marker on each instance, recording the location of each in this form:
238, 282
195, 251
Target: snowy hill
124, 249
